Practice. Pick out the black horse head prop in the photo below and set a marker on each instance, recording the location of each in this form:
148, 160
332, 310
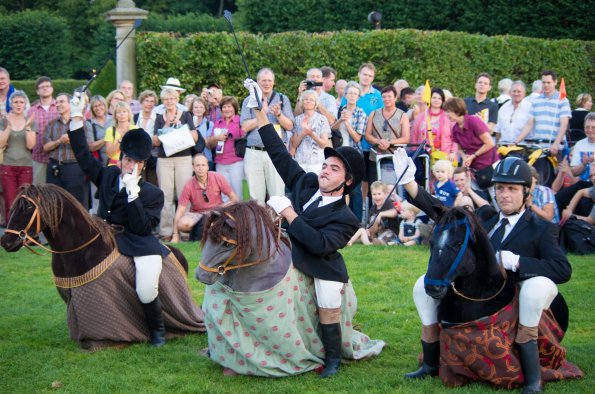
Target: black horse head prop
463, 271
243, 248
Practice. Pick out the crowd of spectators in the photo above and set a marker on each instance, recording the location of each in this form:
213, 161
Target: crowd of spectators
462, 134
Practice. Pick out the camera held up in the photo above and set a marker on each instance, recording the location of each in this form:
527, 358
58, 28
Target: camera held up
312, 84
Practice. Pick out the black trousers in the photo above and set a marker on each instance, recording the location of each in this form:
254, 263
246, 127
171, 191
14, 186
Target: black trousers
70, 177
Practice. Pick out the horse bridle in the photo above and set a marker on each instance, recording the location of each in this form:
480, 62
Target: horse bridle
223, 268
448, 279
36, 218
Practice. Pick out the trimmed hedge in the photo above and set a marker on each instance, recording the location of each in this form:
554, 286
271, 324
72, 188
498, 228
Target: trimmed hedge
544, 18
60, 86
448, 59
184, 24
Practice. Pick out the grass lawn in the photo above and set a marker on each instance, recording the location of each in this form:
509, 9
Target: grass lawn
36, 352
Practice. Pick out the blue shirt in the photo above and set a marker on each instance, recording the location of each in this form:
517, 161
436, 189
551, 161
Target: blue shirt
446, 193
547, 112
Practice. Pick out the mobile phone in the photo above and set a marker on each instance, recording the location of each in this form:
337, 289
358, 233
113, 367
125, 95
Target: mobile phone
219, 147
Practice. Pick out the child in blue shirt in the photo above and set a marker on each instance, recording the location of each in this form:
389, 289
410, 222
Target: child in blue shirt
445, 189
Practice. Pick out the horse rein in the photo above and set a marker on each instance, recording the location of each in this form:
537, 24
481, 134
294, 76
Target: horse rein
226, 266
448, 281
24, 234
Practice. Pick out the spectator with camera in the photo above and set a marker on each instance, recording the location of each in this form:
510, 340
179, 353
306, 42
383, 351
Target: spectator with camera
63, 169
261, 175
213, 95
226, 132
328, 105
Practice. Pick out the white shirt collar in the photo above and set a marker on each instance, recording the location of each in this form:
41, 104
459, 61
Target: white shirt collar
325, 200
512, 221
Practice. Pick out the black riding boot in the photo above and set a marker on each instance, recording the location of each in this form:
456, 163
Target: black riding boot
154, 316
529, 355
431, 361
331, 339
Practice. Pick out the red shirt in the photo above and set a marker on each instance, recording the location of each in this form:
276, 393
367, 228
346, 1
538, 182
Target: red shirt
193, 193
469, 141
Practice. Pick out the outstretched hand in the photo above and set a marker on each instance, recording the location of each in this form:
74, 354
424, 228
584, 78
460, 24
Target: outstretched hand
78, 103
403, 165
255, 98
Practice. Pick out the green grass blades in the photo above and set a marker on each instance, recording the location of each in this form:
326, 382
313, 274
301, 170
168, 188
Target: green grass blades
37, 355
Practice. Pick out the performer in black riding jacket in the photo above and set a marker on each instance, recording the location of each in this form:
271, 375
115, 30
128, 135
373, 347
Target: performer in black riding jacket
131, 205
525, 245
320, 222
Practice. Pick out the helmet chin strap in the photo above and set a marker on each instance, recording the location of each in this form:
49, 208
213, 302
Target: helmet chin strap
341, 185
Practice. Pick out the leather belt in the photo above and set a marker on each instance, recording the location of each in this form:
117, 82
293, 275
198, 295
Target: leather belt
261, 148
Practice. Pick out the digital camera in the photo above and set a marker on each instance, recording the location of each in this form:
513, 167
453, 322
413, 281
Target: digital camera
312, 84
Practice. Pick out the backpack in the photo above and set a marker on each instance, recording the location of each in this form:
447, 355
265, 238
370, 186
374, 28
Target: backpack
578, 237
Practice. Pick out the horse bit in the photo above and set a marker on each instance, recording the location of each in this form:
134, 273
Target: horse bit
448, 279
36, 217
223, 268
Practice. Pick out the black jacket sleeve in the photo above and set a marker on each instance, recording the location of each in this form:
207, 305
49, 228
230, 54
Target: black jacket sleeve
91, 167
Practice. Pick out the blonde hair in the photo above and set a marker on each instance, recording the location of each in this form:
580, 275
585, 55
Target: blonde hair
582, 99
443, 165
122, 105
313, 94
377, 185
407, 206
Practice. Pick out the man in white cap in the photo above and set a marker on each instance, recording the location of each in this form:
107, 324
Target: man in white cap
174, 84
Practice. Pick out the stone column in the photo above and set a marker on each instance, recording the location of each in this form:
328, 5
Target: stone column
123, 18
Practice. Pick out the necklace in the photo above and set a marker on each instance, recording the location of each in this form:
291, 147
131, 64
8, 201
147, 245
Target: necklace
172, 120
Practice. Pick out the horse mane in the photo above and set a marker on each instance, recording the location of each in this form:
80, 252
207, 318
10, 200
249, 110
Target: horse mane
52, 200
236, 221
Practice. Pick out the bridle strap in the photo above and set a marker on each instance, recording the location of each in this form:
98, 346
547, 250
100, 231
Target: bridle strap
24, 234
451, 272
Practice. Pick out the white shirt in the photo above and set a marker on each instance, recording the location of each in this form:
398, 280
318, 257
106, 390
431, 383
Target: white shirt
511, 121
325, 200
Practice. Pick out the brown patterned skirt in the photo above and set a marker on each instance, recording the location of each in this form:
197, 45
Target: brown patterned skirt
103, 308
484, 350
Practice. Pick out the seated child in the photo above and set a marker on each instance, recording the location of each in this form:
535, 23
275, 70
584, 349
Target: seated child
444, 188
385, 225
409, 233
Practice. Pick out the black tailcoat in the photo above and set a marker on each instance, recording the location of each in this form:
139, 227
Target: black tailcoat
318, 233
137, 218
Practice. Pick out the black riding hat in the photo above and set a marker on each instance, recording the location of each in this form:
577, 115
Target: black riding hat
513, 170
354, 163
137, 145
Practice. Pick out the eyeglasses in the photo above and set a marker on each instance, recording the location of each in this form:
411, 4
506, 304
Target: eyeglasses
204, 195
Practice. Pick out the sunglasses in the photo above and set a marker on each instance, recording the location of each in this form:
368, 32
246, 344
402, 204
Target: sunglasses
204, 195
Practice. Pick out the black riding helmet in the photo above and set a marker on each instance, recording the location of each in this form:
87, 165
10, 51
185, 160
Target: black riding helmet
513, 170
137, 145
354, 164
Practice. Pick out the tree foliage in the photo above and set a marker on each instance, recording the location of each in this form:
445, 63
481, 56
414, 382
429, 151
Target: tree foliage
448, 59
532, 18
36, 45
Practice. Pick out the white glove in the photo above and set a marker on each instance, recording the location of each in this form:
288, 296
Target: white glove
279, 203
130, 181
77, 105
255, 93
508, 260
401, 161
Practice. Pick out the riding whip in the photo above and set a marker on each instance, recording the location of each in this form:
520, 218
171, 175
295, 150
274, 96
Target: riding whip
417, 152
227, 15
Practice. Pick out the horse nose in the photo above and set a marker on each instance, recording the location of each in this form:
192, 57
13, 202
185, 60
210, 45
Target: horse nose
7, 244
437, 292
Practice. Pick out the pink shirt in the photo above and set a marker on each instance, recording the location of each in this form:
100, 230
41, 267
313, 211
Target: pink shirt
193, 193
233, 127
469, 141
443, 134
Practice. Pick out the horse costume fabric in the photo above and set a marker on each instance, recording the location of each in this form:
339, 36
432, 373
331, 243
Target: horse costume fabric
103, 308
273, 333
483, 350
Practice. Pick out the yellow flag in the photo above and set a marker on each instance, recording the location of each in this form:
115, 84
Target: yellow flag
427, 95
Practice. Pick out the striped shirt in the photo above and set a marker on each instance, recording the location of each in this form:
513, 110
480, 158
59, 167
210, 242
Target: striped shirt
547, 112
56, 129
42, 118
